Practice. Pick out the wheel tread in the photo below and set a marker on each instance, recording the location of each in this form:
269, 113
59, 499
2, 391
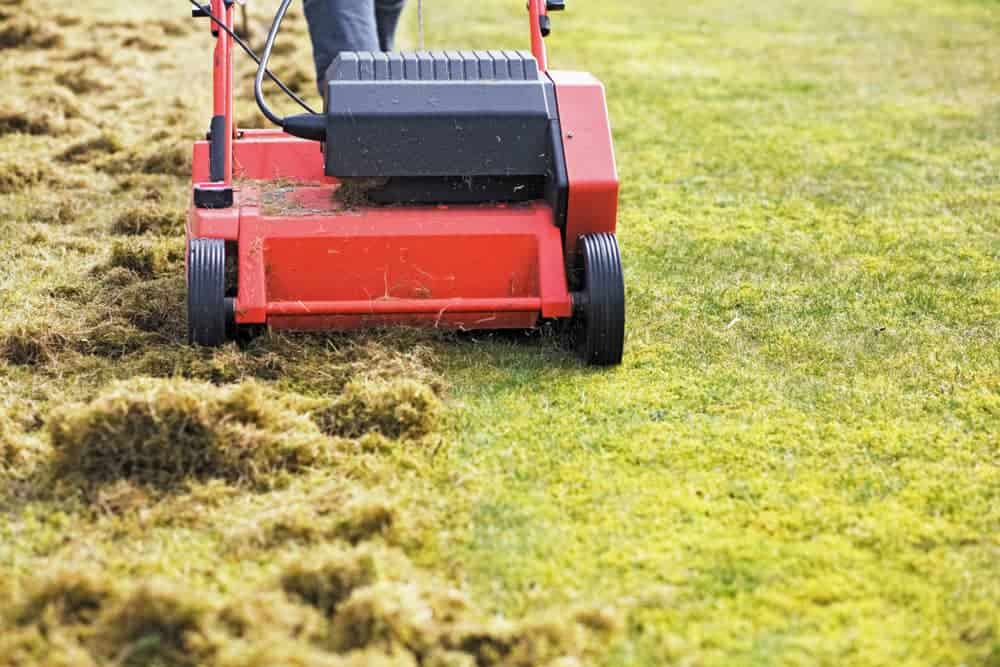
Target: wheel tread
603, 331
207, 316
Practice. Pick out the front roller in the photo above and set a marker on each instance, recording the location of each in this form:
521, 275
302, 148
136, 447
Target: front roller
211, 319
598, 323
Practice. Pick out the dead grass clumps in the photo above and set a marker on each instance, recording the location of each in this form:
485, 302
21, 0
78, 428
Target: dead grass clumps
175, 27
67, 20
159, 623
48, 623
601, 619
119, 25
9, 453
294, 524
166, 159
223, 365
57, 106
14, 121
364, 516
268, 619
66, 597
126, 312
41, 343
17, 176
363, 607
394, 354
265, 653
376, 602
121, 498
118, 276
30, 647
48, 113
96, 54
91, 149
55, 213
148, 220
136, 258
329, 576
18, 452
143, 43
77, 617
60, 100
394, 409
81, 82
111, 338
322, 364
421, 618
156, 306
145, 187
26, 33
164, 433
128, 307
391, 615
32, 344
143, 259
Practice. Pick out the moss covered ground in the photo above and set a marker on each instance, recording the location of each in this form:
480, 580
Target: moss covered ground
796, 464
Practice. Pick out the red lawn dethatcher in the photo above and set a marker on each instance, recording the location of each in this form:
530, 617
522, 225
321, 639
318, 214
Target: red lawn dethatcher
420, 197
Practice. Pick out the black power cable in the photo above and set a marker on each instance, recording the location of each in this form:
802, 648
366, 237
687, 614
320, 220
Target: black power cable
250, 52
262, 64
304, 125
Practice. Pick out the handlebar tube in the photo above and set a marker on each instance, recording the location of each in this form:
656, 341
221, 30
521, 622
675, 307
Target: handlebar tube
536, 10
222, 75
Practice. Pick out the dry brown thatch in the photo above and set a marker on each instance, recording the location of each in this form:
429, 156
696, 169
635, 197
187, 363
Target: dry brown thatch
164, 433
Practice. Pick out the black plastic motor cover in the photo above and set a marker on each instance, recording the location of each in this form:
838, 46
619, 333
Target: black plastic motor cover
469, 114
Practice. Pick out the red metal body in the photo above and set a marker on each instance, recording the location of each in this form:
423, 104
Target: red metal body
590, 156
308, 262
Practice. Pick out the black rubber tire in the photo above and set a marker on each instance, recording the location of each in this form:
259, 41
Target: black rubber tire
210, 317
599, 321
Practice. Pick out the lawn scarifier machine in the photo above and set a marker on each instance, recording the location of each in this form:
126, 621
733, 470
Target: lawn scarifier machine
461, 189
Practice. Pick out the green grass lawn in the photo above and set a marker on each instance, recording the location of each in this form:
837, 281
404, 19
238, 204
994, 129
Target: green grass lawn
798, 461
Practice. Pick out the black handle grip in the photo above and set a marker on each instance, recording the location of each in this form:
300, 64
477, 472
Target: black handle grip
545, 24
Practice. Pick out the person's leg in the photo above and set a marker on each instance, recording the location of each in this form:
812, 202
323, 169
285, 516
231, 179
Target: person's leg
387, 18
339, 25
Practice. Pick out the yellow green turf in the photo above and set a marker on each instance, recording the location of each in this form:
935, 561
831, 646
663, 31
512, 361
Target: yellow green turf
798, 462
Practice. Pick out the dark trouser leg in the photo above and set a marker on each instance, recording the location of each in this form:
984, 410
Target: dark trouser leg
349, 25
387, 18
339, 25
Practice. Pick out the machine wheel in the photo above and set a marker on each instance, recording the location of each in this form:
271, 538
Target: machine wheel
599, 305
211, 319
